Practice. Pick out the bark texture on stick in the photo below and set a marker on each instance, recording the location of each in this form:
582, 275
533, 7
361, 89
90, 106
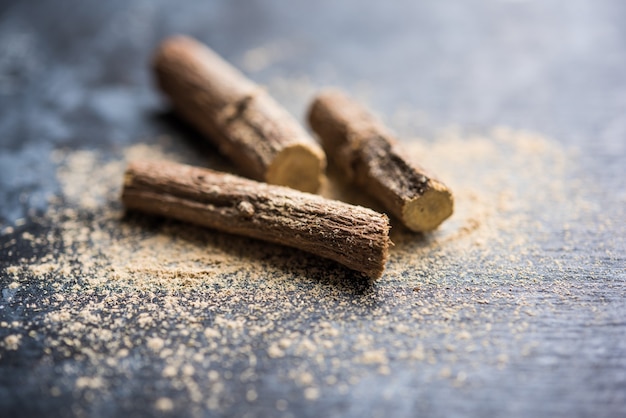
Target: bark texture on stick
371, 157
245, 123
354, 236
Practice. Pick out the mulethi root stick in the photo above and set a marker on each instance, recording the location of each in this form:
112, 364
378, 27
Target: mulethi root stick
354, 236
371, 157
246, 124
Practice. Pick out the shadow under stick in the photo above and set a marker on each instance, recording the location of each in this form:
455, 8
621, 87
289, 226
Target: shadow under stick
354, 236
245, 123
371, 157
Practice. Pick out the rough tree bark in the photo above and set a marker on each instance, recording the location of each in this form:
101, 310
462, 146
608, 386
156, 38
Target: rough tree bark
354, 236
245, 123
371, 157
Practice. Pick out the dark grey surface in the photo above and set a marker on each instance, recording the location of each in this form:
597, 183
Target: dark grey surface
74, 75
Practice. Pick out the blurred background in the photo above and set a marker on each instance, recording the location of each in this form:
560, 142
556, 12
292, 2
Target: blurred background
74, 73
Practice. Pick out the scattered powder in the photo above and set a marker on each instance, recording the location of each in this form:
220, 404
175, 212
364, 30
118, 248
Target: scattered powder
305, 378
251, 395
164, 404
274, 351
155, 344
170, 371
12, 342
312, 393
212, 312
89, 382
374, 357
258, 59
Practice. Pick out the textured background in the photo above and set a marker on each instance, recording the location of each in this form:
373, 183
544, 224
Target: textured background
74, 75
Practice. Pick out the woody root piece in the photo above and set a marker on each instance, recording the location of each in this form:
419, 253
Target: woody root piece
354, 236
238, 116
371, 157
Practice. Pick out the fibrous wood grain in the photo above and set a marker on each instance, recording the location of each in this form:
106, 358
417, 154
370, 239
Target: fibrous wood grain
370, 156
238, 116
354, 236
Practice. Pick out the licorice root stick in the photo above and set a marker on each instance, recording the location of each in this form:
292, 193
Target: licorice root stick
371, 157
237, 115
354, 236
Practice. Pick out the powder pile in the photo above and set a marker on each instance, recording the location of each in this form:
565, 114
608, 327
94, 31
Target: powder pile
205, 314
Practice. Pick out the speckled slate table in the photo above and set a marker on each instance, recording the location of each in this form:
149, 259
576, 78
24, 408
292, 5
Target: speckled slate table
484, 324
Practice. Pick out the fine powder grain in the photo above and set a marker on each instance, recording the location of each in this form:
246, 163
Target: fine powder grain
207, 311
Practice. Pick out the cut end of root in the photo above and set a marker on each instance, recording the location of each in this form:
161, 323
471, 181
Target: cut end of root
299, 166
427, 211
